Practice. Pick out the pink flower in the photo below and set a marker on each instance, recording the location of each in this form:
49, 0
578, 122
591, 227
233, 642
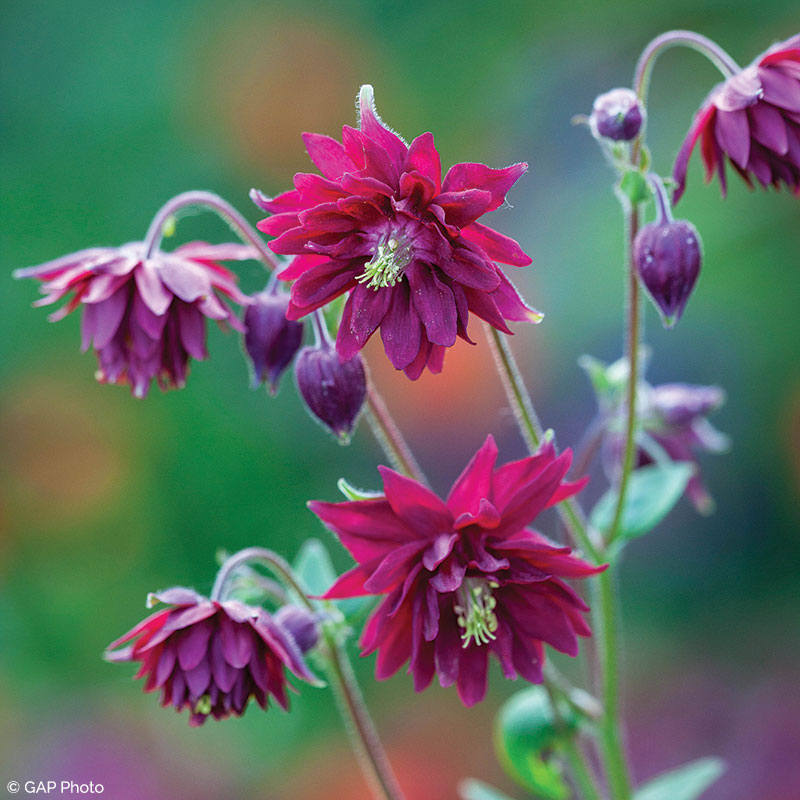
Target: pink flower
144, 314
381, 224
212, 657
753, 118
466, 577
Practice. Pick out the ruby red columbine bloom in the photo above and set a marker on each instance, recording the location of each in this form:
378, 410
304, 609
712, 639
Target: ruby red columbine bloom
212, 657
144, 313
753, 119
381, 224
464, 578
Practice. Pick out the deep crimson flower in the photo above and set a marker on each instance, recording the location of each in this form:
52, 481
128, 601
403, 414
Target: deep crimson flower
212, 657
753, 118
144, 315
381, 224
673, 417
465, 577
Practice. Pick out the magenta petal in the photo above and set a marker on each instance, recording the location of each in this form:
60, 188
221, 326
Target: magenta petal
733, 134
511, 305
401, 329
192, 645
496, 246
417, 506
155, 295
369, 307
192, 330
779, 89
768, 127
701, 120
393, 568
470, 270
108, 316
237, 642
197, 680
475, 481
439, 550
478, 176
472, 672
372, 125
327, 154
464, 207
450, 575
435, 305
424, 158
319, 285
448, 648
486, 516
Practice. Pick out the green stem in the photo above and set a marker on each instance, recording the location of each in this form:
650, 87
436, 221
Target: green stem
388, 435
604, 603
363, 734
584, 780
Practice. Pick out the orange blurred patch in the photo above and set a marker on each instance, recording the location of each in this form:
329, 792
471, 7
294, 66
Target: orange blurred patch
58, 464
273, 77
430, 754
468, 391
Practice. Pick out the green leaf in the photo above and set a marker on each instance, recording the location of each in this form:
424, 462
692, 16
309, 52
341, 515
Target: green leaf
525, 736
684, 783
471, 789
652, 492
351, 493
634, 186
314, 568
315, 571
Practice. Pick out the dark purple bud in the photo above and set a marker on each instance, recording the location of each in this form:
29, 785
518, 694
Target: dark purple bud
667, 256
617, 115
301, 624
270, 339
334, 390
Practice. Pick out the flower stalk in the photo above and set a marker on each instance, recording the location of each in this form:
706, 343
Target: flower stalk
219, 206
363, 734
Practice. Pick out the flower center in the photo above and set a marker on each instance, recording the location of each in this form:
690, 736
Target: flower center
203, 706
386, 266
475, 610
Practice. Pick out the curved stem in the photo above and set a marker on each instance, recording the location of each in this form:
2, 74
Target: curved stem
702, 44
364, 736
221, 207
389, 437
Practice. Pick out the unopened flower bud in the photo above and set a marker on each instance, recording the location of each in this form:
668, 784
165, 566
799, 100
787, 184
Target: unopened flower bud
301, 624
667, 257
270, 339
617, 115
333, 389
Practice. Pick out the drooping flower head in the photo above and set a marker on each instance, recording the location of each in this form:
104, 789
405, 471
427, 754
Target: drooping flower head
381, 224
753, 119
673, 423
212, 657
464, 577
144, 314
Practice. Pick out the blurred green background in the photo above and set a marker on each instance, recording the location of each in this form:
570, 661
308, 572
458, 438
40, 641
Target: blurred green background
108, 109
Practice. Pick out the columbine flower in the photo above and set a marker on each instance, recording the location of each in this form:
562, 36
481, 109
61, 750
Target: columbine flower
463, 578
383, 225
617, 115
753, 118
144, 314
212, 657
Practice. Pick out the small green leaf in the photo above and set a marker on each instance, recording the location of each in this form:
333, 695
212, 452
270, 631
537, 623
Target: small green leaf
471, 789
351, 493
526, 734
652, 492
314, 568
684, 783
634, 186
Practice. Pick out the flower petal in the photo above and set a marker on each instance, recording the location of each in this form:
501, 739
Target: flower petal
478, 176
475, 482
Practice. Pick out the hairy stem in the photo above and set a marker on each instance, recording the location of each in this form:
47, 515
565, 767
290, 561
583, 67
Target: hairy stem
389, 436
219, 206
363, 734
